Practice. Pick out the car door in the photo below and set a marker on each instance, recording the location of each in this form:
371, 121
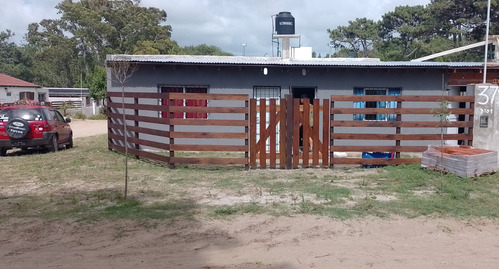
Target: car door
62, 128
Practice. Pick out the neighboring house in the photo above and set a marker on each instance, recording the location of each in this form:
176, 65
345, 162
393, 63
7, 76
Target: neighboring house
13, 89
79, 97
272, 78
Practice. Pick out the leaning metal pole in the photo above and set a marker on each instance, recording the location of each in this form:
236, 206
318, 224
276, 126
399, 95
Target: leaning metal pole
486, 45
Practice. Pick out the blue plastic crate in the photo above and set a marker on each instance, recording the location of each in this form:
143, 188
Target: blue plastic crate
373, 155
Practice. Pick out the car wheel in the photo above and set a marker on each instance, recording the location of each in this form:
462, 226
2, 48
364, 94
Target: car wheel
3, 151
70, 142
53, 147
17, 128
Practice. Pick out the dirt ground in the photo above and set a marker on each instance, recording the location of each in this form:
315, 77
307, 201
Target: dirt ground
83, 128
249, 241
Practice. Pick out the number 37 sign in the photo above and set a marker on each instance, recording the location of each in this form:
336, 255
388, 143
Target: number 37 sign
486, 98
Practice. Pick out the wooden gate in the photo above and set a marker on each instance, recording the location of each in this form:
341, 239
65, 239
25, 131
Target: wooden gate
301, 141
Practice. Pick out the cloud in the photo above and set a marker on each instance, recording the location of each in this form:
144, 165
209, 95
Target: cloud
17, 15
228, 23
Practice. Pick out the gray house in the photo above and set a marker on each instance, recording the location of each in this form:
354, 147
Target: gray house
272, 78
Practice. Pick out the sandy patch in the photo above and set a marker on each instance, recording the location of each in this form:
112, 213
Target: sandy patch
83, 128
252, 242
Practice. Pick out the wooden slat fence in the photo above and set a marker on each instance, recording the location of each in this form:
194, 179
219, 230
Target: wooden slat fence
154, 132
152, 129
339, 140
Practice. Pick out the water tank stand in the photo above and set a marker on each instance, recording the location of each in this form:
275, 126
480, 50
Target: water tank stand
285, 44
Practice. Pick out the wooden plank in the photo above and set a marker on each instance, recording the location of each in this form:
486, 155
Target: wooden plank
289, 131
221, 161
404, 124
353, 136
326, 136
159, 108
179, 96
401, 98
296, 132
141, 130
283, 129
230, 148
379, 148
208, 135
263, 136
279, 109
376, 161
146, 95
208, 96
424, 111
208, 109
315, 133
141, 142
272, 133
306, 134
148, 143
140, 153
253, 133
209, 122
157, 120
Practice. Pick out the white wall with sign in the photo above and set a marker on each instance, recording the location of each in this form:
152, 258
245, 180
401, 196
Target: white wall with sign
486, 117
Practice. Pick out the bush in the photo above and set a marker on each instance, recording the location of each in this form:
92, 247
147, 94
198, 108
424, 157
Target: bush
79, 115
99, 116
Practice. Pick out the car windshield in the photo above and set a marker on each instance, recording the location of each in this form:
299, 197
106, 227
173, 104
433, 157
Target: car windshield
29, 114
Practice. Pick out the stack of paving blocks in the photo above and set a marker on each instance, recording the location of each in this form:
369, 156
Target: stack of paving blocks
463, 161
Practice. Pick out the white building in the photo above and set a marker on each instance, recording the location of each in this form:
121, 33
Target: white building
13, 89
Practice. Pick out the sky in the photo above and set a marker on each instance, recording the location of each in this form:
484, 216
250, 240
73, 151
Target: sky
228, 24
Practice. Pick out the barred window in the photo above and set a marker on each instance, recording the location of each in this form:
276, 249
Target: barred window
375, 104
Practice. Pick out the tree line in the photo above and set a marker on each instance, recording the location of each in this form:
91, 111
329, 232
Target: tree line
411, 32
71, 51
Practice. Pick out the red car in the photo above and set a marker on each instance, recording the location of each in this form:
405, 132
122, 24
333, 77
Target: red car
33, 126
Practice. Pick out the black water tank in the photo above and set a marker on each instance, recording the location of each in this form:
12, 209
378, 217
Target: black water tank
285, 23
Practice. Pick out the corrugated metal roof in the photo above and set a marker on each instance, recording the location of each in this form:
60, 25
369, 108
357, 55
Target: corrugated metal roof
262, 61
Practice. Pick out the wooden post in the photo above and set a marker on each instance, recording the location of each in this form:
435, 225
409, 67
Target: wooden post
272, 133
171, 129
296, 132
326, 138
315, 133
332, 129
283, 132
306, 126
471, 128
247, 165
398, 129
253, 133
108, 111
263, 136
136, 124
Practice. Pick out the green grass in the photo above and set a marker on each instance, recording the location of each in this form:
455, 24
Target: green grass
86, 183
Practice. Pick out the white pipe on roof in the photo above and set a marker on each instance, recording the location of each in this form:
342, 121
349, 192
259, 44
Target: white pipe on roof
446, 52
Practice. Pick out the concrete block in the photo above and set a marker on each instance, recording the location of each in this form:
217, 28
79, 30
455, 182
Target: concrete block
463, 161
